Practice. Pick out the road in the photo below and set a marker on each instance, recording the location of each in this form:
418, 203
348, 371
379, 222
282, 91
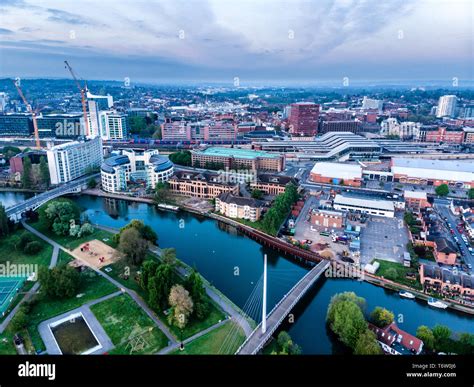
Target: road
443, 208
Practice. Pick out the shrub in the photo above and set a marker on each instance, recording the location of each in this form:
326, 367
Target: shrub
33, 247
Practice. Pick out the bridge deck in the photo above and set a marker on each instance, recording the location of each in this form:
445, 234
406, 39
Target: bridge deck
257, 340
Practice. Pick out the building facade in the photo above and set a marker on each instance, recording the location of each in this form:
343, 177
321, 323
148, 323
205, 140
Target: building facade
327, 219
446, 106
234, 158
72, 160
337, 173
238, 207
271, 184
205, 185
304, 118
16, 125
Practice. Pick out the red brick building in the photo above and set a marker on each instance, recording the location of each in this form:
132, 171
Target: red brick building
416, 200
444, 134
304, 118
327, 219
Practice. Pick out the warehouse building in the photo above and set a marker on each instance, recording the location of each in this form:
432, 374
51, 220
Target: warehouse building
337, 173
433, 172
364, 205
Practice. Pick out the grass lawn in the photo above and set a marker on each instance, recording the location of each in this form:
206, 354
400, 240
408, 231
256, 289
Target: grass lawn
64, 258
70, 242
93, 286
123, 319
397, 273
224, 340
194, 326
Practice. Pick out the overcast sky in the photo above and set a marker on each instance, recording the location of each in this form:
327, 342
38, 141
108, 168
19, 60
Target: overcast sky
204, 40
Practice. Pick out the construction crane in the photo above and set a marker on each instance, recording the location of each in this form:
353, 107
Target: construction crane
31, 111
83, 91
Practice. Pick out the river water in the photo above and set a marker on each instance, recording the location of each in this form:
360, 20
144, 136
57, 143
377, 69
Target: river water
234, 264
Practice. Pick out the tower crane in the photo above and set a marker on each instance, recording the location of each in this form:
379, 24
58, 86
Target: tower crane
31, 111
83, 91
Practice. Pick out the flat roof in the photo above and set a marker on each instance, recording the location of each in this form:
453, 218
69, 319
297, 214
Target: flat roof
384, 205
237, 153
415, 194
338, 170
450, 170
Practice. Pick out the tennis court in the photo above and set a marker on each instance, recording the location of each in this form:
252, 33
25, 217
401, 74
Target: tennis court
8, 289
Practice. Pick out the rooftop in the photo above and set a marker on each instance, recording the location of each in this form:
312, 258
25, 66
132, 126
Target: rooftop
338, 170
236, 152
384, 205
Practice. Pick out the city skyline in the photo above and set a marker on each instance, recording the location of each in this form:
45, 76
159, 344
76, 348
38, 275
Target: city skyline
239, 42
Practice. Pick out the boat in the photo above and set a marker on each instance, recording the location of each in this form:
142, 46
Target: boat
168, 207
436, 303
406, 295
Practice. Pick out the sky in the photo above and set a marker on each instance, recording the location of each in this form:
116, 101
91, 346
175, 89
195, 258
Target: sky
238, 41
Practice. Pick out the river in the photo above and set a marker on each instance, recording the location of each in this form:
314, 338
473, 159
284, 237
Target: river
234, 264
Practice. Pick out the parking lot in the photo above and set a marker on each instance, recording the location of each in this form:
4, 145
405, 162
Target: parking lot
383, 238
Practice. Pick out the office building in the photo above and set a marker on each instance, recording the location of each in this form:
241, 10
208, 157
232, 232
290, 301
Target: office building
68, 126
304, 118
238, 207
16, 125
103, 102
372, 104
271, 184
235, 158
140, 166
72, 160
446, 106
353, 126
205, 185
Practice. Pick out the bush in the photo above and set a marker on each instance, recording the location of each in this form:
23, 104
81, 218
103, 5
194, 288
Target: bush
33, 247
25, 238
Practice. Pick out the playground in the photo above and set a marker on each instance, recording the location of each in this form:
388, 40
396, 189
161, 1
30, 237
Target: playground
97, 254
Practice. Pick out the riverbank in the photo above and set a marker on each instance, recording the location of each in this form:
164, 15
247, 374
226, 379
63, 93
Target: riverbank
370, 278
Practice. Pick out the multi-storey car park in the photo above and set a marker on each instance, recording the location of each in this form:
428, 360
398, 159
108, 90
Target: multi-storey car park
330, 146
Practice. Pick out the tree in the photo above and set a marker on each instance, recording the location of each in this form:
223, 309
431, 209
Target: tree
60, 215
59, 282
470, 193
367, 344
441, 335
257, 194
91, 183
44, 172
181, 306
442, 190
26, 180
181, 158
345, 317
169, 256
159, 286
33, 247
148, 271
20, 320
4, 229
425, 334
195, 286
286, 346
161, 192
381, 317
133, 246
146, 232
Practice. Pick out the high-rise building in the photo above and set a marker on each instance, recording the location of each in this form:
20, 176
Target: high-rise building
108, 124
3, 101
103, 102
304, 118
446, 106
16, 125
72, 160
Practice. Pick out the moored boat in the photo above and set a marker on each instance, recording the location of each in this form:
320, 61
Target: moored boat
406, 294
437, 303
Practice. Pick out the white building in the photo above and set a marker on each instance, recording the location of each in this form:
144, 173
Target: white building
364, 205
446, 106
72, 160
404, 130
3, 101
108, 124
369, 103
135, 165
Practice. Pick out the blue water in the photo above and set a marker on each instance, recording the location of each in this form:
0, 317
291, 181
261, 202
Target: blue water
234, 264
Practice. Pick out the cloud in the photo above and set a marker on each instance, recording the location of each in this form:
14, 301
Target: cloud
4, 31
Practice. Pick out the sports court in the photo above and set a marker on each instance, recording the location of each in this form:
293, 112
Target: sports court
9, 286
